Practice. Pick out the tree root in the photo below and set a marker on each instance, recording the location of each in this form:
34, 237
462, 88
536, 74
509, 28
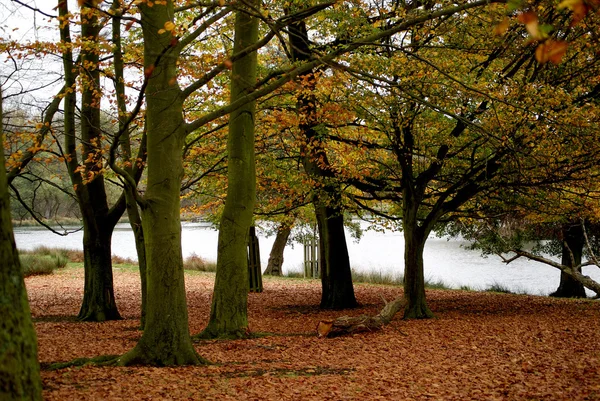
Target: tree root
102, 360
207, 334
142, 356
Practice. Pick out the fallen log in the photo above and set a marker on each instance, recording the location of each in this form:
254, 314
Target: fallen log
353, 324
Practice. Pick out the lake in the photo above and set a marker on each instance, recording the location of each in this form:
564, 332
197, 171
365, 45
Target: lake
445, 260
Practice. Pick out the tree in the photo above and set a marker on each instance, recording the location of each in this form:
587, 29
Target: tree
129, 168
440, 147
229, 310
88, 181
19, 367
166, 340
276, 255
336, 276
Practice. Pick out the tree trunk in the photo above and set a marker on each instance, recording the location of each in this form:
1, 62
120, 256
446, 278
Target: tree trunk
336, 275
276, 255
19, 367
229, 309
135, 219
414, 275
166, 340
572, 251
99, 303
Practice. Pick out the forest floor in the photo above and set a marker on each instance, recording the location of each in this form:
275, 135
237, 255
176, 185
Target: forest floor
481, 346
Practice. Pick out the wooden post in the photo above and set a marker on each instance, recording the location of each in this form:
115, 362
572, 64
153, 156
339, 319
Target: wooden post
254, 269
312, 258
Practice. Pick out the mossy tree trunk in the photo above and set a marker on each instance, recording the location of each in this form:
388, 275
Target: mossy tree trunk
229, 309
276, 256
98, 220
166, 340
19, 367
336, 276
133, 212
572, 252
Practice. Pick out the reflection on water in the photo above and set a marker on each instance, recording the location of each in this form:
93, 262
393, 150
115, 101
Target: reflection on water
445, 260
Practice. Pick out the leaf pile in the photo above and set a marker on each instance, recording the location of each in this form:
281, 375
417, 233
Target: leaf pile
482, 346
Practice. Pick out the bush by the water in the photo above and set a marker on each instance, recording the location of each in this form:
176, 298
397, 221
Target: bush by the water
42, 260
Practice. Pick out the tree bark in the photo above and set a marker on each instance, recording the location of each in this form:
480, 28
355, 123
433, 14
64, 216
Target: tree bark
229, 309
99, 302
572, 252
414, 277
336, 275
276, 255
19, 367
166, 340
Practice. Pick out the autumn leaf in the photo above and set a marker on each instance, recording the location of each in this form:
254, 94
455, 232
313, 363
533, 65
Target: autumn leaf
149, 71
552, 51
502, 27
324, 327
578, 7
530, 20
169, 26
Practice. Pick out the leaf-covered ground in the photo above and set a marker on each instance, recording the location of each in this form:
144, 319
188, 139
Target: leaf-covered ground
481, 346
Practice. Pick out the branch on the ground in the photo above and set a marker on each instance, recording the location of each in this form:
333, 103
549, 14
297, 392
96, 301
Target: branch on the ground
352, 324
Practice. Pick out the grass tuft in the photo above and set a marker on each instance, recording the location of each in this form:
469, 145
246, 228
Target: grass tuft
376, 277
198, 263
496, 287
294, 274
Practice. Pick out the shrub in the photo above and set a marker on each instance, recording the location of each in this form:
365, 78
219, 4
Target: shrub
197, 263
39, 264
119, 260
62, 255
